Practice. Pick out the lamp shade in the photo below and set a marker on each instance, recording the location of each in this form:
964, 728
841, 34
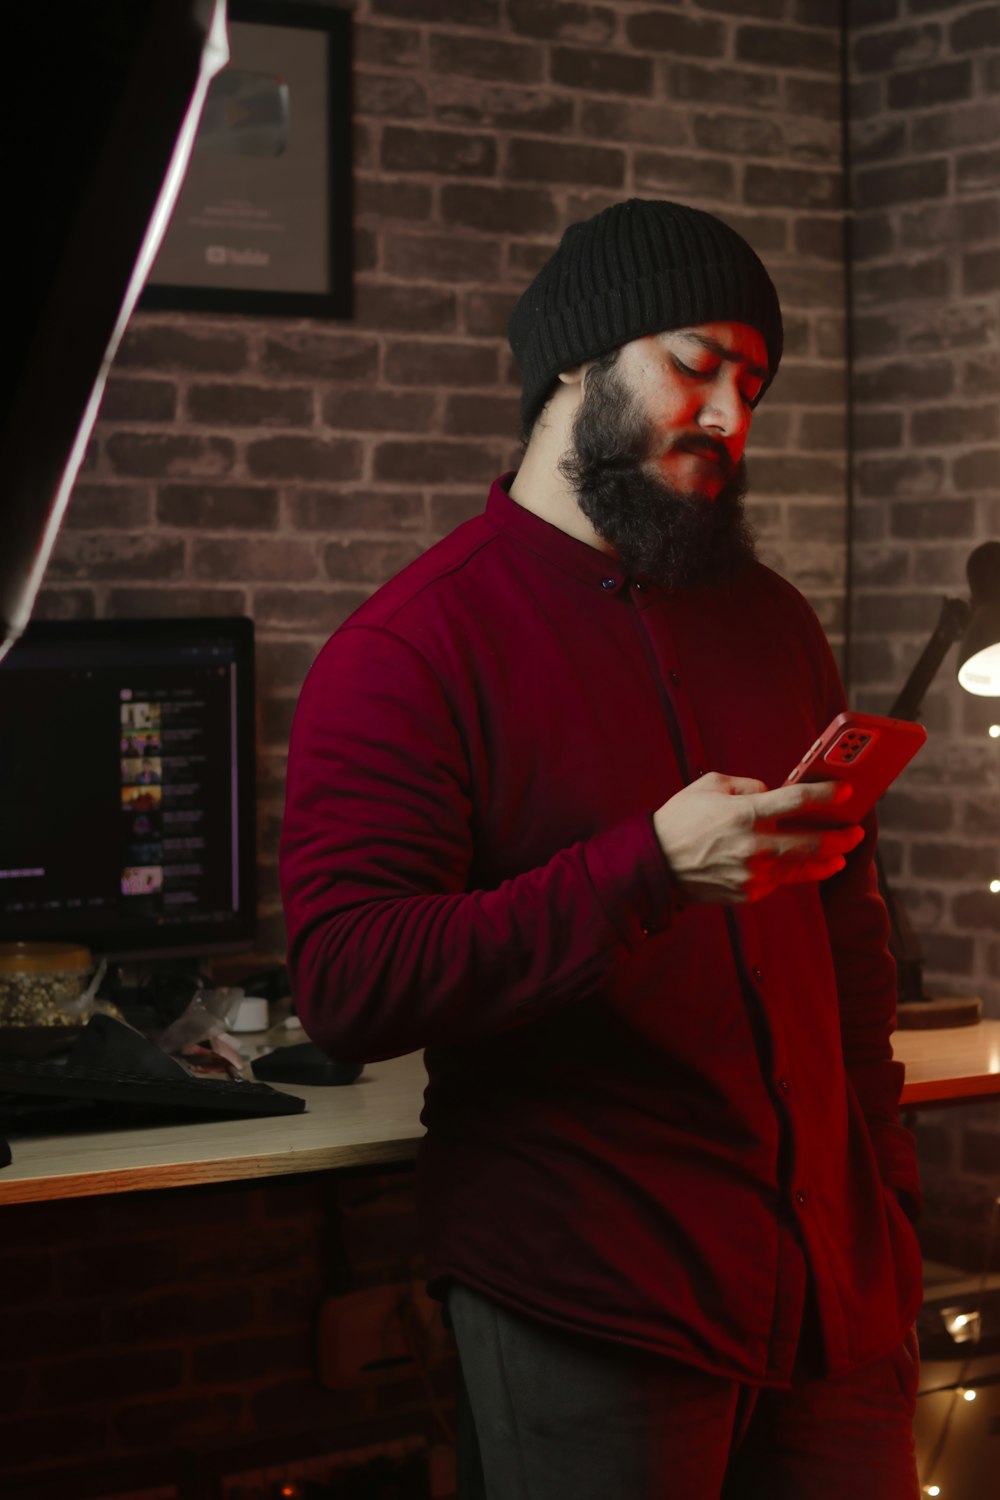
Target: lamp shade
979, 651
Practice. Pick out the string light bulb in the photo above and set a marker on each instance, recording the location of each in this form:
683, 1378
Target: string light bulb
932, 1489
994, 731
995, 887
968, 1395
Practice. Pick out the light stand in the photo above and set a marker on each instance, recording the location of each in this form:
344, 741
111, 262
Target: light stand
976, 624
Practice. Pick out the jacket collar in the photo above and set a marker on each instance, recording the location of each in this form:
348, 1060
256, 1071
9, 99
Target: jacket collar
570, 554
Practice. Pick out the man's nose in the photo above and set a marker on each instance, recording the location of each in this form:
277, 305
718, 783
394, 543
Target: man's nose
725, 413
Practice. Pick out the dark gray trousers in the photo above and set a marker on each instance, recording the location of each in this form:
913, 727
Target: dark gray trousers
550, 1415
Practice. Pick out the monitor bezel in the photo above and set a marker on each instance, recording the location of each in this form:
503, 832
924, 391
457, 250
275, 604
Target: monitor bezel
200, 940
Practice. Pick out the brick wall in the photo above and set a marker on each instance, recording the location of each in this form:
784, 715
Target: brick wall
925, 121
145, 1337
286, 468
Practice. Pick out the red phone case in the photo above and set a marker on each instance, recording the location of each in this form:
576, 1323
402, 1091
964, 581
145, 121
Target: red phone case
866, 751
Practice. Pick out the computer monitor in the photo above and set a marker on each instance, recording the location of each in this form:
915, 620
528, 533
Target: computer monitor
127, 773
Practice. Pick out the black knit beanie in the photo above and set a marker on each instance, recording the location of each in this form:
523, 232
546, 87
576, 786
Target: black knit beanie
637, 268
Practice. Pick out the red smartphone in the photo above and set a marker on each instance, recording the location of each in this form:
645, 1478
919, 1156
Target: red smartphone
864, 750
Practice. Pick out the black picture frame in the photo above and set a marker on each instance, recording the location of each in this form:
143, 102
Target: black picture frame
217, 288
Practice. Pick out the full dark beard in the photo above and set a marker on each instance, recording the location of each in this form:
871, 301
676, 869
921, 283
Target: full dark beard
673, 538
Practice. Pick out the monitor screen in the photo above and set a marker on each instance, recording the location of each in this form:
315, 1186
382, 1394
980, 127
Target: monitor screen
127, 767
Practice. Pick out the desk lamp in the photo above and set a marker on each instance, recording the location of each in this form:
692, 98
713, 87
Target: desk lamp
975, 624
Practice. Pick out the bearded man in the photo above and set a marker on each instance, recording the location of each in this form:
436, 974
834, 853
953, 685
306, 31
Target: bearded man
535, 825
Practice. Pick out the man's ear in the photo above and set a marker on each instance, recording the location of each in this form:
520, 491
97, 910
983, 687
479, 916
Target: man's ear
575, 376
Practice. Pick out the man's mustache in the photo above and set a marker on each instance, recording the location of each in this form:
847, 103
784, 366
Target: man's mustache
700, 442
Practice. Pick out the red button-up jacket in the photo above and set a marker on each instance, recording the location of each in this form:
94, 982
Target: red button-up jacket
635, 1107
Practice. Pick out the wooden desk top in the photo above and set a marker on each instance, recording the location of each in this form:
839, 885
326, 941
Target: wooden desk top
377, 1120
952, 1065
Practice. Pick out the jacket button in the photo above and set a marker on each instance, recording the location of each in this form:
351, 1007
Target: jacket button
757, 974
801, 1197
674, 677
609, 583
783, 1085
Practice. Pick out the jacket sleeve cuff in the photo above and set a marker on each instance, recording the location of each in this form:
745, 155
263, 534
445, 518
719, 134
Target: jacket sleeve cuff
632, 879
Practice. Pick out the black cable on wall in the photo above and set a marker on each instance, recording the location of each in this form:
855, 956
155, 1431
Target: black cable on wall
848, 243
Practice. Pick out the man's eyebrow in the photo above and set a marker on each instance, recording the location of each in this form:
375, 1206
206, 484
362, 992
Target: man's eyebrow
723, 353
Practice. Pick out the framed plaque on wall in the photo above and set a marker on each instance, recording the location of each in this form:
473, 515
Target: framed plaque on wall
263, 221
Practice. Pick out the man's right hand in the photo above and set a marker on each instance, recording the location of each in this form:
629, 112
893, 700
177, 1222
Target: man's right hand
724, 844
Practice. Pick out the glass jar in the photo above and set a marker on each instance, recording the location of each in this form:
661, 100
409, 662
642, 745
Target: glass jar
38, 980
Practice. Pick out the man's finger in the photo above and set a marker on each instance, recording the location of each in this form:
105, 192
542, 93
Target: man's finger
730, 786
783, 801
819, 845
821, 870
769, 874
